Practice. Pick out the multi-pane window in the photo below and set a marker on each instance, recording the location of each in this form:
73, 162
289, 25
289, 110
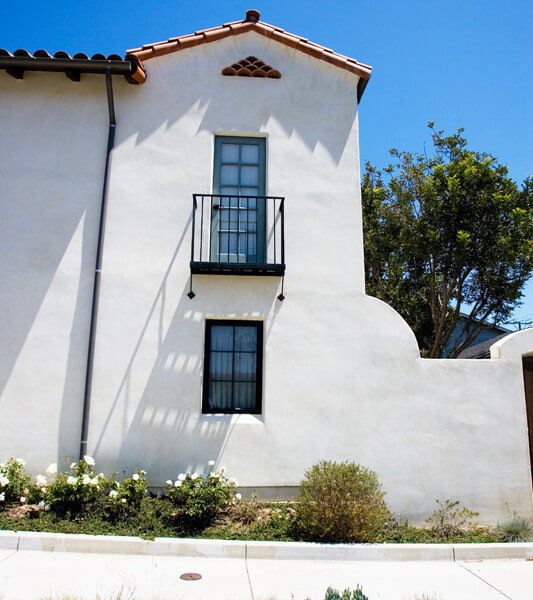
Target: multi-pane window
238, 217
233, 366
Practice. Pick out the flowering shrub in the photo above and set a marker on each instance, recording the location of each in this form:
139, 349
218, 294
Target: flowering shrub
341, 502
77, 490
198, 499
125, 498
15, 483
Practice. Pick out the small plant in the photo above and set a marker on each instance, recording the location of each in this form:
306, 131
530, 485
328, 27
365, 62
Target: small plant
15, 483
357, 594
124, 499
199, 499
515, 529
341, 502
450, 519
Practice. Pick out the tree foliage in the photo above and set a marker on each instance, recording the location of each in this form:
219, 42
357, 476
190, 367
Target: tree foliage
446, 231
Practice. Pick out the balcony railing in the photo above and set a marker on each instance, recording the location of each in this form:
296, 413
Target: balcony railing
238, 235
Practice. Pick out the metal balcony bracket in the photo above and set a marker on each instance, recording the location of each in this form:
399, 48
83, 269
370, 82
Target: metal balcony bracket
281, 296
191, 294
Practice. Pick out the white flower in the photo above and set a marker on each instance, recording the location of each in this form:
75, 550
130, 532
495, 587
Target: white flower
123, 500
100, 475
72, 480
234, 481
46, 507
72, 465
222, 469
89, 460
169, 482
211, 463
86, 480
94, 481
178, 483
22, 499
43, 490
135, 477
51, 469
195, 476
238, 496
117, 484
41, 480
25, 490
214, 475
143, 472
20, 461
4, 480
113, 494
2, 497
40, 506
182, 476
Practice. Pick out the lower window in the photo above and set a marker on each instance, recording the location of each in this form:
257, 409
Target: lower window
233, 367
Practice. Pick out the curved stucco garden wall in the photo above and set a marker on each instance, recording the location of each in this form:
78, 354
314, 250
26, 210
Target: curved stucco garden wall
342, 375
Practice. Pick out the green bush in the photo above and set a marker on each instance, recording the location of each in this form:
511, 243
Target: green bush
515, 529
78, 491
357, 594
341, 502
15, 483
199, 500
124, 499
450, 519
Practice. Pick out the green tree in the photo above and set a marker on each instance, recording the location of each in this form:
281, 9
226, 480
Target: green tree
445, 231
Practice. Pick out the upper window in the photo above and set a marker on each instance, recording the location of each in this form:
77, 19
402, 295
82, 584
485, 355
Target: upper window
233, 366
238, 215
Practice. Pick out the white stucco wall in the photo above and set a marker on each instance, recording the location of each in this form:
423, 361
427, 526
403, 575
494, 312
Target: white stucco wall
342, 375
52, 155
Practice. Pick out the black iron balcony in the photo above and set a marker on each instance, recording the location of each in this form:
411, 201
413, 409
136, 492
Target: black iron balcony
238, 235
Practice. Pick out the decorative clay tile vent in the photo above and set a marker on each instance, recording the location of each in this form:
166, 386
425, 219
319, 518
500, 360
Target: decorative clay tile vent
251, 67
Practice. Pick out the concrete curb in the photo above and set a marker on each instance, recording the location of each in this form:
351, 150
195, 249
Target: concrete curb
103, 544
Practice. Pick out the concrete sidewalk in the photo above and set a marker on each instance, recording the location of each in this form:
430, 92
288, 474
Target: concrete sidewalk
40, 575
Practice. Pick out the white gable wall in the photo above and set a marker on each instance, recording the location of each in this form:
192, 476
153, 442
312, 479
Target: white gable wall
342, 375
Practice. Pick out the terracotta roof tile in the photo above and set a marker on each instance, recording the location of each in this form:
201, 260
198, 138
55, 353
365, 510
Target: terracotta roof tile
251, 23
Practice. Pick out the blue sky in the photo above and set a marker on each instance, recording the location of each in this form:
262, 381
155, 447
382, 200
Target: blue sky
460, 63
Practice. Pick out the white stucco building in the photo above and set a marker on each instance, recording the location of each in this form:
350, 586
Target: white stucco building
200, 294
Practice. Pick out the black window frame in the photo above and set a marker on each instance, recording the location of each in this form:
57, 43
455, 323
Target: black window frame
257, 408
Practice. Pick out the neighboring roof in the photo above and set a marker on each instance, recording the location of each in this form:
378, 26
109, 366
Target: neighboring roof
252, 23
21, 60
481, 350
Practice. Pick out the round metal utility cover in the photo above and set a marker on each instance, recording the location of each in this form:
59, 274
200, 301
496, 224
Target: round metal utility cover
190, 576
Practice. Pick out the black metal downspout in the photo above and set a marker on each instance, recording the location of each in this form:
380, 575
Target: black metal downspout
98, 271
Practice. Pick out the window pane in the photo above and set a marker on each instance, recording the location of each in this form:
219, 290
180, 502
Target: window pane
220, 395
246, 339
244, 366
249, 175
234, 219
230, 153
221, 337
250, 153
224, 219
244, 395
252, 220
229, 175
228, 191
252, 203
221, 366
252, 251
248, 191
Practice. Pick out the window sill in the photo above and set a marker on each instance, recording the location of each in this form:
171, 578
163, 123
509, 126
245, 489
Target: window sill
232, 419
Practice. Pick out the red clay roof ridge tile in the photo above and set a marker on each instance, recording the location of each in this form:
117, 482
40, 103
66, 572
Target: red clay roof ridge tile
251, 23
